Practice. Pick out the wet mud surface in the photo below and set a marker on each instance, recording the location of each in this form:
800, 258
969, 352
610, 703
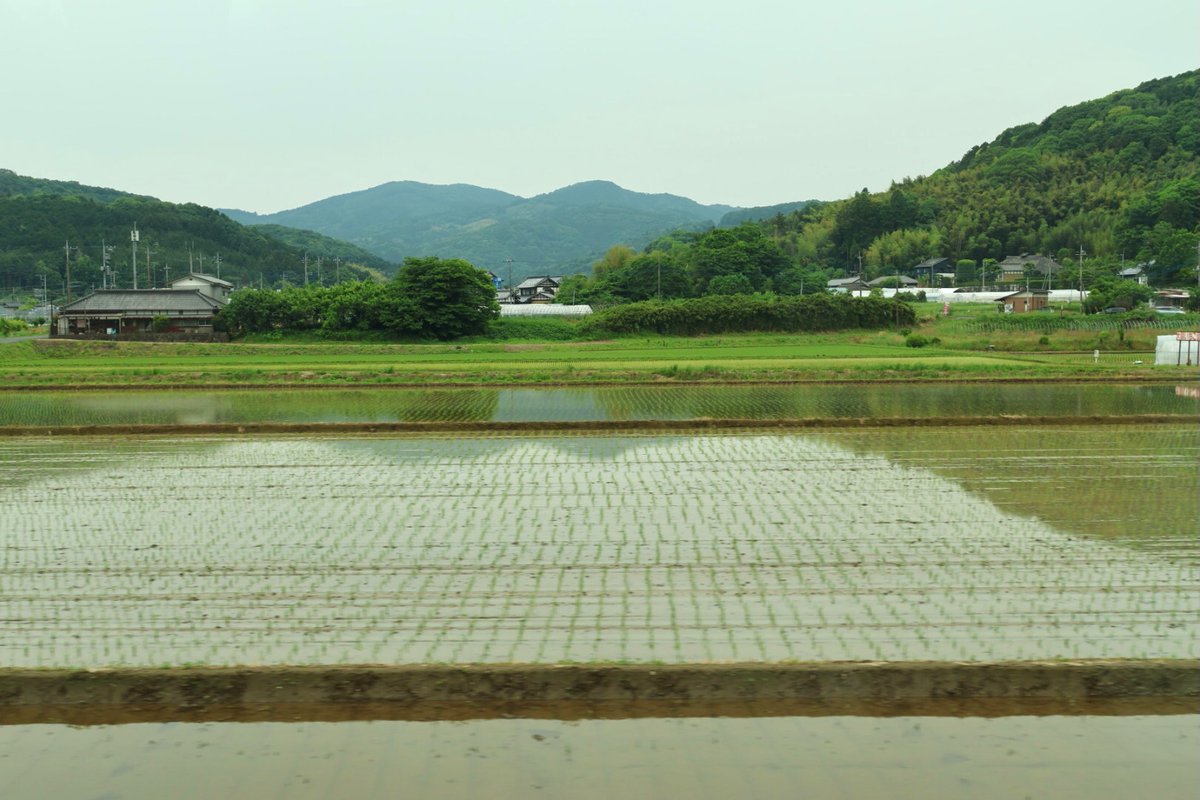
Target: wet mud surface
1105, 687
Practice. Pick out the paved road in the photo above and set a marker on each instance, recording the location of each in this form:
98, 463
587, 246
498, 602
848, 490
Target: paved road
8, 339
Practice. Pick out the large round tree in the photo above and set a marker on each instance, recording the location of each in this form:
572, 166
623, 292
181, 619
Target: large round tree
454, 297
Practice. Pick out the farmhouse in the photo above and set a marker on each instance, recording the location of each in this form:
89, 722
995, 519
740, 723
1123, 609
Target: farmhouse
1015, 269
537, 289
187, 308
930, 268
1136, 274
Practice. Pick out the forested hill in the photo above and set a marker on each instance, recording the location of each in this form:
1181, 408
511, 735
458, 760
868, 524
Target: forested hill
13, 184
559, 231
326, 248
1119, 176
35, 230
760, 213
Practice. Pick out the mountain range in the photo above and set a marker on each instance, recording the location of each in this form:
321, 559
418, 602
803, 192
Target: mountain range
561, 231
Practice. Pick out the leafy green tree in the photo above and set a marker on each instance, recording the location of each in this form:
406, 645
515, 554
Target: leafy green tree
453, 297
730, 284
615, 259
652, 275
1111, 292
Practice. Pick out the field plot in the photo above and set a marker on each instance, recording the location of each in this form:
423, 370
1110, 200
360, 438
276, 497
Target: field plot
549, 549
939, 401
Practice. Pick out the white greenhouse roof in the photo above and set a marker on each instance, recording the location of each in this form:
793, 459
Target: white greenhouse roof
544, 310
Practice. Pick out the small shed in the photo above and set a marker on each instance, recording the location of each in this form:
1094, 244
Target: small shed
1023, 301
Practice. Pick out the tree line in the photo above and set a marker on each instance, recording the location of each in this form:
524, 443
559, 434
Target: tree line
427, 298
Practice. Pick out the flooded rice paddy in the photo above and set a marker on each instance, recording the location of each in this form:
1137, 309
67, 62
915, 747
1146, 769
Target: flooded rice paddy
939, 401
843, 545
1065, 758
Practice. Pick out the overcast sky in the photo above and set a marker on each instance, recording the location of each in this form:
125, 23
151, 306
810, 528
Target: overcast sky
271, 104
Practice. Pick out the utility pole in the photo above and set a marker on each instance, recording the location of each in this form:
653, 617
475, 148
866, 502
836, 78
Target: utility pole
201, 257
106, 279
860, 265
67, 250
149, 269
320, 274
337, 269
306, 268
165, 268
218, 260
190, 270
1080, 265
133, 237
509, 262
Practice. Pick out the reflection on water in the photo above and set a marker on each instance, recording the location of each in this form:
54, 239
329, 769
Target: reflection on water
1130, 484
1068, 758
608, 403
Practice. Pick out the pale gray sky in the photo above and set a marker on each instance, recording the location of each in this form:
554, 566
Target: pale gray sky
271, 104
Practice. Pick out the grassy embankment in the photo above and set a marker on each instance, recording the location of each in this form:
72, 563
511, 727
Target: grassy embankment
964, 346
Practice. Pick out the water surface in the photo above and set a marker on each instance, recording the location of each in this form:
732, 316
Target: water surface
587, 404
923, 758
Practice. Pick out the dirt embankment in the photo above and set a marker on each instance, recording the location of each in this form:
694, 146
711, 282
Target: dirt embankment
585, 426
599, 691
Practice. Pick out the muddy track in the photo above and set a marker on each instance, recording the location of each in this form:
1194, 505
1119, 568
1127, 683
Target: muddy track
427, 692
586, 426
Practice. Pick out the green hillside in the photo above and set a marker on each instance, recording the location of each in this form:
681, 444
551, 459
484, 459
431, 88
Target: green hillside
761, 213
34, 231
13, 184
332, 251
1118, 176
561, 231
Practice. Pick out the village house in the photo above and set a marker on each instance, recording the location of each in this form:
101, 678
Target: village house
929, 270
1136, 274
536, 289
1016, 269
186, 309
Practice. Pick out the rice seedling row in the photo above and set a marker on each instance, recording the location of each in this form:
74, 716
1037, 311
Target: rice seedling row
550, 549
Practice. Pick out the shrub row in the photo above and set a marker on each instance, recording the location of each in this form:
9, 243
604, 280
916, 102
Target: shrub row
745, 313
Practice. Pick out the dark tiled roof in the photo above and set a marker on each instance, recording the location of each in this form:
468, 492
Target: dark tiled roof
149, 301
933, 263
1040, 263
535, 280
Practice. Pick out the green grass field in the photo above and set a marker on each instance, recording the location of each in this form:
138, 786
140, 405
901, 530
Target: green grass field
751, 357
